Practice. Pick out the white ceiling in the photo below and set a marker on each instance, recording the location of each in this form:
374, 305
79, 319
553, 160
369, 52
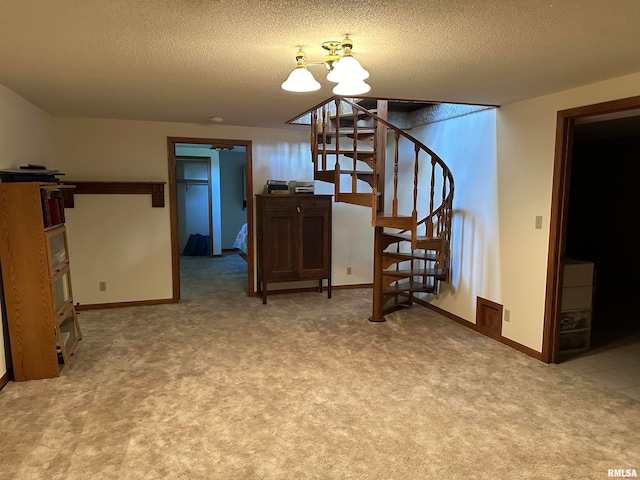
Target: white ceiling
188, 60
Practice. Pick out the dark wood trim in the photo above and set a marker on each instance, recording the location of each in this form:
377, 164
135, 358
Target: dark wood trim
155, 189
210, 208
559, 207
173, 220
481, 304
4, 379
135, 303
173, 206
506, 341
352, 286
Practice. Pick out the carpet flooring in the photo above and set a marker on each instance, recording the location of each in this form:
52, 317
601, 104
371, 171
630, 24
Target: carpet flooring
220, 386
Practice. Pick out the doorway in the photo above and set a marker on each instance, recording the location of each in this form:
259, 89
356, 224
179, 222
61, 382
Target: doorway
562, 183
204, 179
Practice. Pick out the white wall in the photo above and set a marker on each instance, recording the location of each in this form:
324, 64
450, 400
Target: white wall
234, 215
525, 157
467, 144
193, 200
25, 137
502, 162
99, 149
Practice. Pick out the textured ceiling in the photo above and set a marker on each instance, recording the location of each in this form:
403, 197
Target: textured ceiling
188, 60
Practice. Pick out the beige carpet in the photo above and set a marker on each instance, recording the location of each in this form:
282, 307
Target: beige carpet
223, 387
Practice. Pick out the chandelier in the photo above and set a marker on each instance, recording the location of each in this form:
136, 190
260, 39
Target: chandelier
343, 69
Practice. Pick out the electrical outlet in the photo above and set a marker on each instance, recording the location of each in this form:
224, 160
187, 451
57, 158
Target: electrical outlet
507, 315
348, 270
103, 286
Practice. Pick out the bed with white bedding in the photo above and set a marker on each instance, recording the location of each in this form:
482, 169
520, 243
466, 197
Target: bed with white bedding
241, 242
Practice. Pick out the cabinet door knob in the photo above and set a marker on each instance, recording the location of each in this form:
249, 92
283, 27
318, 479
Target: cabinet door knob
298, 209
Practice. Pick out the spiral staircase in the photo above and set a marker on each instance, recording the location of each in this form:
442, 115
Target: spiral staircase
408, 188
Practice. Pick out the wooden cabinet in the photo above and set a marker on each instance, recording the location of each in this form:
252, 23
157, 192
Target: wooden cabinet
43, 325
293, 239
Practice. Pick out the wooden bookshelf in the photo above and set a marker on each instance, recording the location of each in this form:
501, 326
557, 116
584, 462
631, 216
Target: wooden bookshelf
42, 321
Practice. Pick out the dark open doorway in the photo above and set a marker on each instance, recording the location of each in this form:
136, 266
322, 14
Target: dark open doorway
607, 175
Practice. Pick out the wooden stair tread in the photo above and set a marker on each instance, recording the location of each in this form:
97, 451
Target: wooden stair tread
329, 176
421, 242
387, 216
407, 237
326, 175
347, 152
406, 256
409, 287
357, 172
429, 272
346, 131
363, 199
405, 222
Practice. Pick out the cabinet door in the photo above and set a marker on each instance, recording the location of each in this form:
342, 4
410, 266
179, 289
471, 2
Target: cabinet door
280, 244
61, 288
57, 249
67, 334
314, 241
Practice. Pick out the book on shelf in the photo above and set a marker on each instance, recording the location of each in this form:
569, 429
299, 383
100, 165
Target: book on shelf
46, 214
54, 210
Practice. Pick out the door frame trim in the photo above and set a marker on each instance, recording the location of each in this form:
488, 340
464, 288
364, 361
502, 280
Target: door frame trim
173, 206
559, 212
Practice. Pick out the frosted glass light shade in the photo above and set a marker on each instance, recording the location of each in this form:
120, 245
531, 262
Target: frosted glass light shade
347, 68
300, 80
351, 87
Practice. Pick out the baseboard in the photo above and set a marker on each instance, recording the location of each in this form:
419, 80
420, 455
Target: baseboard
4, 380
352, 286
507, 341
137, 303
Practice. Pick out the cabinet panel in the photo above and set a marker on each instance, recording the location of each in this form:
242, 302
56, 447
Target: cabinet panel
67, 335
281, 242
313, 249
57, 251
61, 286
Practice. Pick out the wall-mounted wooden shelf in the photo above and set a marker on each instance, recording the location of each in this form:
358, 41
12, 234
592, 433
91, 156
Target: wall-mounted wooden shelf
155, 189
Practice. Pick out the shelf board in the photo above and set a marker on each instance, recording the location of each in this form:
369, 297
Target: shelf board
155, 189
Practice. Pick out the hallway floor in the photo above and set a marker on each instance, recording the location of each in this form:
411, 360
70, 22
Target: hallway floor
615, 366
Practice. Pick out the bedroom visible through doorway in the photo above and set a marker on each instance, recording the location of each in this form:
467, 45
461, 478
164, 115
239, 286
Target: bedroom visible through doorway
209, 184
